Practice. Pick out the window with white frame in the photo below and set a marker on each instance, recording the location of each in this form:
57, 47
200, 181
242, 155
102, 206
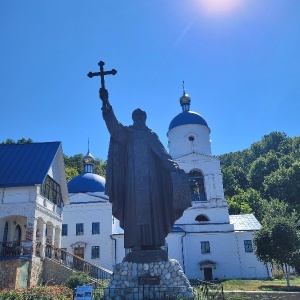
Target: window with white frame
95, 252
205, 247
248, 246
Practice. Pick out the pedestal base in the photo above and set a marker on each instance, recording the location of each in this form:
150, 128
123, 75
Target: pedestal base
151, 280
147, 256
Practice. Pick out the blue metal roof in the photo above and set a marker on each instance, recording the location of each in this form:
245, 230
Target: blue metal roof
187, 117
86, 182
26, 164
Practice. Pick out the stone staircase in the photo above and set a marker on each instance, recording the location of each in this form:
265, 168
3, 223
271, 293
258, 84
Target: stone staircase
60, 264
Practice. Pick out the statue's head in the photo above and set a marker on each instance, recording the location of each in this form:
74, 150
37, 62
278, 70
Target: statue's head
139, 117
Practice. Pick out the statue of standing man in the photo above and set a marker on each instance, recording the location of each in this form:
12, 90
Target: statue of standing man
147, 189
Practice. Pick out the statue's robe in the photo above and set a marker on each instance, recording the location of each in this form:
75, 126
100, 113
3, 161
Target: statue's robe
139, 185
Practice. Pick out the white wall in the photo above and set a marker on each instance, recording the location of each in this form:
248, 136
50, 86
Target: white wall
231, 259
87, 213
179, 143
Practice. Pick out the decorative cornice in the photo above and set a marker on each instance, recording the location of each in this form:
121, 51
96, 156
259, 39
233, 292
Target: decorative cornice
186, 156
48, 213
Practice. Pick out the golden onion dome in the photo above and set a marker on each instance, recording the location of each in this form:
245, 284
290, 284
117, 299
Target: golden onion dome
88, 159
185, 99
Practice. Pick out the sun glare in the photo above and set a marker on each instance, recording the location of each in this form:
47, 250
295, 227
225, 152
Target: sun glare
219, 6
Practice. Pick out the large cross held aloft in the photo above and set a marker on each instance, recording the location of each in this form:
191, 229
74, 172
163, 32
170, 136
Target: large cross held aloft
102, 73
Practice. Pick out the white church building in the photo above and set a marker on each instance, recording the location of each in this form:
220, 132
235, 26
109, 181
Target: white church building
208, 242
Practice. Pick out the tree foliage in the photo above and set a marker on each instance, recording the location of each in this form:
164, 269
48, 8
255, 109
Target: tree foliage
21, 141
278, 241
77, 279
268, 169
74, 166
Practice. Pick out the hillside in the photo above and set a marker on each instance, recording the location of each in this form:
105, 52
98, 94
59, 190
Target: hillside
268, 169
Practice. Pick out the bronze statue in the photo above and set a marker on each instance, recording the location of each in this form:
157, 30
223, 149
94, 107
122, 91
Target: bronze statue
147, 189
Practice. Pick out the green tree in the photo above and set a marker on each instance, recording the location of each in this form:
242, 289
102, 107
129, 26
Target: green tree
21, 141
70, 173
237, 207
262, 167
100, 167
284, 184
231, 186
274, 141
75, 162
74, 166
278, 241
249, 201
77, 278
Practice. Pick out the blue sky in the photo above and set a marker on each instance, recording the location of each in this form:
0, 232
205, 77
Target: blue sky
240, 63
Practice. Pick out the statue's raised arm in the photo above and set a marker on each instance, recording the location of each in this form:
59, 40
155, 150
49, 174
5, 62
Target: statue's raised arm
103, 95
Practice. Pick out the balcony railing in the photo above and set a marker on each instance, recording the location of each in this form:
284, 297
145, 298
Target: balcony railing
15, 248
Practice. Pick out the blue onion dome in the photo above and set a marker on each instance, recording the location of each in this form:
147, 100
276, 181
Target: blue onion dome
86, 182
186, 116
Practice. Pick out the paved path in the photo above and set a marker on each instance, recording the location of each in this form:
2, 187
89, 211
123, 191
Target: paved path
262, 295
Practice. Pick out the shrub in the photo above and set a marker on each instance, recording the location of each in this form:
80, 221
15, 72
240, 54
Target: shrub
77, 278
277, 274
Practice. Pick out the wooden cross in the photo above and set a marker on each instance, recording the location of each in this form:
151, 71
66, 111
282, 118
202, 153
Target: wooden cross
102, 73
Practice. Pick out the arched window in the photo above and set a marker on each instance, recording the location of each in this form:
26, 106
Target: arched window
17, 235
201, 218
197, 186
5, 234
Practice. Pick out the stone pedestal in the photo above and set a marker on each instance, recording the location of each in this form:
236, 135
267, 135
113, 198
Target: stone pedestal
148, 280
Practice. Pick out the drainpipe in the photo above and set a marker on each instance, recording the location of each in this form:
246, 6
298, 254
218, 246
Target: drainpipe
182, 251
115, 248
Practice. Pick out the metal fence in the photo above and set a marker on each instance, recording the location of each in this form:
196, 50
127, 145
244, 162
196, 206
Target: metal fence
146, 292
100, 274
201, 290
209, 290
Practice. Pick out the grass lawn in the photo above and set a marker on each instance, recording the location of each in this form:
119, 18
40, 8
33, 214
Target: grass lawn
262, 285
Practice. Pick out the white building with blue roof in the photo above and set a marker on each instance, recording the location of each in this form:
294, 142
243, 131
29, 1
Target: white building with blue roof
87, 223
206, 240
33, 190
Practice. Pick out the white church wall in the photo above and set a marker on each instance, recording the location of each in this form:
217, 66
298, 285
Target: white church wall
119, 250
219, 215
250, 266
174, 246
179, 143
15, 195
25, 209
86, 214
211, 171
227, 251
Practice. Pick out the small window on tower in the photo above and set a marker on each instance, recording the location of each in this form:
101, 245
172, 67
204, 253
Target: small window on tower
191, 138
202, 218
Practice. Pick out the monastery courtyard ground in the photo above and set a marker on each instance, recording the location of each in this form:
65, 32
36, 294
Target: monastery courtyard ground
262, 289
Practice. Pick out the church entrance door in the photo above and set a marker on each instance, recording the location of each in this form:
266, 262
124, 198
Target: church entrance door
208, 274
78, 263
